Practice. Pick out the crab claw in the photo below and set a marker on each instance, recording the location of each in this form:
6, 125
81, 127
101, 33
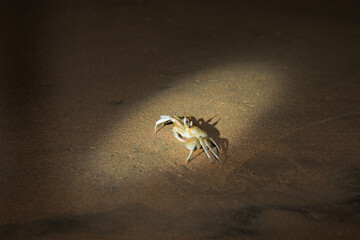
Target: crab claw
163, 119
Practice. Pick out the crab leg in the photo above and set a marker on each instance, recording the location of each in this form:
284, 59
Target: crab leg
163, 119
191, 148
212, 151
217, 147
204, 147
176, 135
177, 121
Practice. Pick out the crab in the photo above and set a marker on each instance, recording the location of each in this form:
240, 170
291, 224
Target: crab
192, 136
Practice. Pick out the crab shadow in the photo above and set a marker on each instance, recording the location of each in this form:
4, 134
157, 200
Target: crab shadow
210, 127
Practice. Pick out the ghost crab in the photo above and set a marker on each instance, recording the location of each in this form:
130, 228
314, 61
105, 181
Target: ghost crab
192, 136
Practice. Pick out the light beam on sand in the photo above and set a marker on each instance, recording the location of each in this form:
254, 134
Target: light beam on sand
235, 95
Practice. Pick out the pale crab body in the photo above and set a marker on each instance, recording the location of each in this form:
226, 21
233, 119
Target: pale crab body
190, 132
192, 136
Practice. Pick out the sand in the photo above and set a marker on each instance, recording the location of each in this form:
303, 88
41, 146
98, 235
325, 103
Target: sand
277, 85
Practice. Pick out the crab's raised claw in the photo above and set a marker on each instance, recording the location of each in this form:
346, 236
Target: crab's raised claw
177, 121
163, 119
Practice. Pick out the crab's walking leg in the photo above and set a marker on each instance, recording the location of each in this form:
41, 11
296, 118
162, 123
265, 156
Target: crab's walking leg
163, 119
176, 135
217, 147
204, 147
190, 144
208, 144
